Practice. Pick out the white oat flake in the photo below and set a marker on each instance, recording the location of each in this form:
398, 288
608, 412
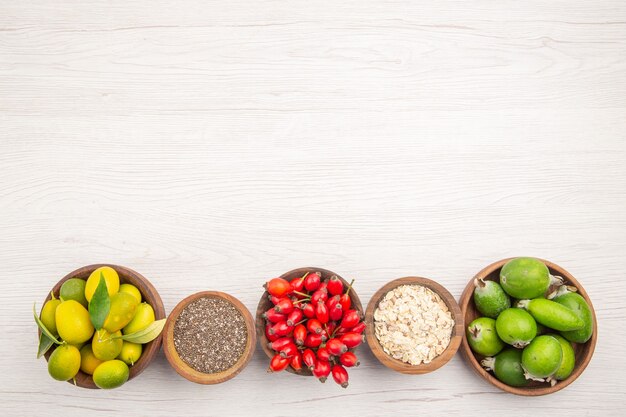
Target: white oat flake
413, 324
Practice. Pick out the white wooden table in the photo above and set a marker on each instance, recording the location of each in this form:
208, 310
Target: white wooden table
215, 144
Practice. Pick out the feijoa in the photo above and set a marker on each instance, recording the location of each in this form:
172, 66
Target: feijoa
542, 357
525, 278
483, 338
507, 367
579, 306
552, 314
489, 298
516, 327
569, 359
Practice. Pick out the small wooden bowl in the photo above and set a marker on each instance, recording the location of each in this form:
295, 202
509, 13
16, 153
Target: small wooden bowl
398, 365
187, 371
265, 304
583, 352
149, 294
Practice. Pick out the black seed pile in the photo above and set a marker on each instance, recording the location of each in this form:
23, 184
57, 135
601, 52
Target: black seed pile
210, 335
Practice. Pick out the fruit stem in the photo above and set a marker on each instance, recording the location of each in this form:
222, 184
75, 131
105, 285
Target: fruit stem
479, 282
488, 363
556, 280
349, 287
302, 294
560, 290
523, 304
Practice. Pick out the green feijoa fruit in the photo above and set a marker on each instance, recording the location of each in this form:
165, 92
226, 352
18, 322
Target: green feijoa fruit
74, 289
542, 357
483, 338
525, 278
579, 306
569, 358
552, 314
489, 298
516, 327
507, 367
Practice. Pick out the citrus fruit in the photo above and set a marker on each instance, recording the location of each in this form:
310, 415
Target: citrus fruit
579, 306
64, 362
48, 315
74, 289
104, 346
111, 374
122, 311
552, 314
482, 337
516, 327
489, 298
131, 289
88, 361
525, 278
73, 322
131, 352
542, 357
507, 367
144, 315
110, 277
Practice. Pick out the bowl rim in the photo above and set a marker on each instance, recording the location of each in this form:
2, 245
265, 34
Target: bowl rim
186, 371
150, 350
470, 358
437, 362
290, 275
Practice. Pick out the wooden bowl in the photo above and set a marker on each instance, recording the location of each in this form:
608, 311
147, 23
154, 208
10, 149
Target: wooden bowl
398, 365
149, 294
187, 371
583, 352
265, 304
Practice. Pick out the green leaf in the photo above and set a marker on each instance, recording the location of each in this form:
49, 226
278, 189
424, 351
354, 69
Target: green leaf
100, 304
146, 335
45, 343
43, 328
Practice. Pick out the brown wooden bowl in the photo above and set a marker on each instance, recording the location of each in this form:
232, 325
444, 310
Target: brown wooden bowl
187, 371
149, 294
583, 351
265, 304
398, 365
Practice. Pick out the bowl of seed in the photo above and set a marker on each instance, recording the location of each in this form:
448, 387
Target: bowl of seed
209, 337
414, 325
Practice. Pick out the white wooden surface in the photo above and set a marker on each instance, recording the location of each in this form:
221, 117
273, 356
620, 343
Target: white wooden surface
215, 144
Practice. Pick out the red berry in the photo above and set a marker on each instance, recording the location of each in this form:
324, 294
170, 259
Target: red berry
297, 284
278, 363
340, 375
281, 329
330, 327
323, 285
309, 310
319, 295
321, 312
323, 354
350, 319
289, 350
348, 359
345, 301
336, 347
351, 339
335, 286
280, 343
321, 370
314, 326
359, 328
273, 299
284, 306
309, 359
313, 340
278, 287
270, 336
296, 362
312, 281
335, 312
274, 317
294, 317
299, 334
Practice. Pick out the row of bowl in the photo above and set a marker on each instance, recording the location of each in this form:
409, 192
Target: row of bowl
462, 313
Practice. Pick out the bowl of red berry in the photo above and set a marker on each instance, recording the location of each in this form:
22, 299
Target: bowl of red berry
309, 322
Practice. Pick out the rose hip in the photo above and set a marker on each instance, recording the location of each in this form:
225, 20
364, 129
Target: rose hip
345, 301
297, 284
294, 317
351, 339
323, 354
335, 286
348, 359
309, 310
299, 334
350, 319
281, 329
313, 340
321, 370
296, 362
278, 287
319, 295
289, 350
273, 299
336, 347
278, 363
273, 316
314, 326
340, 375
312, 281
280, 343
321, 312
335, 312
270, 336
308, 358
359, 328
284, 306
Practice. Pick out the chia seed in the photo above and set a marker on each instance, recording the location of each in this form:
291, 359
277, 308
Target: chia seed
210, 335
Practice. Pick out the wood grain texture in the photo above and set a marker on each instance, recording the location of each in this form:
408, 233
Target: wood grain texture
212, 145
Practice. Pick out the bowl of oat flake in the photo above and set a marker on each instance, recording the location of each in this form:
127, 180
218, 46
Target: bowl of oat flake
414, 325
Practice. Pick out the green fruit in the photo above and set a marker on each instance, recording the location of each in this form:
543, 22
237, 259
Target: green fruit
552, 314
569, 359
48, 313
131, 289
122, 311
144, 316
489, 298
542, 357
516, 327
111, 279
111, 374
131, 352
88, 361
507, 367
579, 306
64, 362
74, 289
525, 278
73, 322
104, 346
482, 337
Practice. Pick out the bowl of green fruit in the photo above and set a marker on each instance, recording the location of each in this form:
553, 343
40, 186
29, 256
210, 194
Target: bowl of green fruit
100, 326
530, 326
